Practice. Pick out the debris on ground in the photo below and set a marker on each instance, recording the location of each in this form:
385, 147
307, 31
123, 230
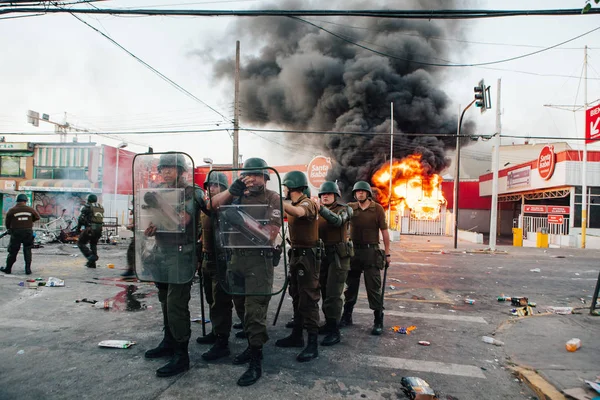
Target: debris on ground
116, 344
85, 300
519, 301
402, 330
415, 297
560, 310
417, 389
424, 343
573, 345
469, 301
522, 311
55, 282
491, 340
535, 270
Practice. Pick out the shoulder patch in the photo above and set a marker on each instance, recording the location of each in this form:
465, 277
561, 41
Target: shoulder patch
305, 204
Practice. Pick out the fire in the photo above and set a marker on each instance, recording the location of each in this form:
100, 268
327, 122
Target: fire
412, 187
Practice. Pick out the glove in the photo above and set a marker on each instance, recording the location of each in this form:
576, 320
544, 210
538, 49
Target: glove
237, 188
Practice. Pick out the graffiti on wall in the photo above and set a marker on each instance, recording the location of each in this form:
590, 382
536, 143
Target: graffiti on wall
51, 204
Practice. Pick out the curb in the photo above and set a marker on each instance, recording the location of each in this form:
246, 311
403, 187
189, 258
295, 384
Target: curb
542, 388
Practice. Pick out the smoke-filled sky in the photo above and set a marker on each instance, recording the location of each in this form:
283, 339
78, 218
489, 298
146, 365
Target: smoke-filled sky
311, 80
307, 79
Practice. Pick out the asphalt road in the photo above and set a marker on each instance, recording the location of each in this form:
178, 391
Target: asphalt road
48, 343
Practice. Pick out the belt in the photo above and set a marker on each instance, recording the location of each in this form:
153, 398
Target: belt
302, 251
367, 246
253, 252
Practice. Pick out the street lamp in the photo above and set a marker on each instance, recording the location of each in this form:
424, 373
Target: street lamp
121, 145
208, 161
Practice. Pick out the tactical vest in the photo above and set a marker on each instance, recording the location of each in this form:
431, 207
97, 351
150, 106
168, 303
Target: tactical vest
97, 212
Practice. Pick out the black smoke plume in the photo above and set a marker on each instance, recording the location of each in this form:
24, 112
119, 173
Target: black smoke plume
307, 79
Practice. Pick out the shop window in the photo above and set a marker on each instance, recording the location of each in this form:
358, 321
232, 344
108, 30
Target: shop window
60, 173
11, 166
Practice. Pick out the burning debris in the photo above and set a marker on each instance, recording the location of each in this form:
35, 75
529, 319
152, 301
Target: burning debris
305, 78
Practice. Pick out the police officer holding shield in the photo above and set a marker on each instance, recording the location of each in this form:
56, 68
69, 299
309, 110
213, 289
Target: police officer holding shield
305, 261
171, 261
19, 223
367, 221
250, 260
333, 231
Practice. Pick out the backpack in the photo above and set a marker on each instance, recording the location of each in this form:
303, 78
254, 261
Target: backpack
97, 213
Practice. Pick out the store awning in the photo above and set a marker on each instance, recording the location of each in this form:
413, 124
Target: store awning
60, 185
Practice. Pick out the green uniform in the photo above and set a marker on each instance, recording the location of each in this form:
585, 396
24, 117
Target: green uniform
19, 222
335, 263
92, 232
179, 248
364, 232
305, 265
250, 271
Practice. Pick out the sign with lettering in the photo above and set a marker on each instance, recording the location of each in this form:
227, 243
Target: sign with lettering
559, 209
555, 219
317, 170
592, 119
518, 177
535, 209
546, 162
14, 146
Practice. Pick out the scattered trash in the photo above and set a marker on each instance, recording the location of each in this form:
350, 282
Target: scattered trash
469, 301
21, 352
111, 266
532, 304
21, 283
117, 344
401, 307
452, 310
522, 311
31, 284
491, 340
535, 270
582, 300
576, 273
594, 385
519, 301
74, 255
560, 310
424, 343
402, 330
417, 389
483, 368
415, 297
573, 345
55, 282
85, 300
199, 320
392, 287
579, 394
106, 304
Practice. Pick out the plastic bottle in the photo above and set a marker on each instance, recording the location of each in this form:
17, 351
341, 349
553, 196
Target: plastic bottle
106, 304
504, 298
493, 341
573, 345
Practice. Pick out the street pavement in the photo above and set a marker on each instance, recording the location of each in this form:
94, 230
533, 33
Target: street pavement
48, 342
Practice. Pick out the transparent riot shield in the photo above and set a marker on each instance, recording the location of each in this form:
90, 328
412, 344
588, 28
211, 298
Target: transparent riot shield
166, 211
249, 236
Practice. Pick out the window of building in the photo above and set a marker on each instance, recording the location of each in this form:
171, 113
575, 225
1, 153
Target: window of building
12, 166
60, 173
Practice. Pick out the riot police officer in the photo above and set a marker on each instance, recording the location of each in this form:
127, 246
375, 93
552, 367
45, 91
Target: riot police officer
174, 252
303, 226
250, 267
333, 231
19, 223
92, 218
367, 220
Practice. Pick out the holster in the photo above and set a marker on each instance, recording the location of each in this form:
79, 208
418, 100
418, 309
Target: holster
277, 255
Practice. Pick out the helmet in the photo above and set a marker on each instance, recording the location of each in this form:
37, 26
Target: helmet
172, 160
218, 178
295, 180
22, 197
92, 198
362, 185
306, 191
329, 187
257, 164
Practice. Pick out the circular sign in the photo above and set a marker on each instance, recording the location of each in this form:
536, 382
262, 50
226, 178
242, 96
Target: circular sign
317, 170
546, 162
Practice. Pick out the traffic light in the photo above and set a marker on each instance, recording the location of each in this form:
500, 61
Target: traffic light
482, 96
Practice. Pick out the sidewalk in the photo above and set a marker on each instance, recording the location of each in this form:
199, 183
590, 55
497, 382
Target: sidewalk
535, 345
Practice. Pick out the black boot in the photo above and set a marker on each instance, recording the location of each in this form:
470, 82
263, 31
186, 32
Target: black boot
244, 356
27, 270
311, 350
180, 362
166, 348
377, 323
218, 350
241, 335
290, 324
6, 270
254, 371
296, 339
207, 339
346, 316
324, 329
333, 336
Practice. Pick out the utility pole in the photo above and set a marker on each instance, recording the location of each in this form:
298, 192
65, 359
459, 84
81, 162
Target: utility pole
236, 108
584, 161
391, 162
495, 168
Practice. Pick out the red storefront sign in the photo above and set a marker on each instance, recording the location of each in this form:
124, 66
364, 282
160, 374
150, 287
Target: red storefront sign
546, 162
535, 209
555, 219
559, 209
592, 119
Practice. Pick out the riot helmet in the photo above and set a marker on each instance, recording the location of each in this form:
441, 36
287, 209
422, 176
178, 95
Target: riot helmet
329, 187
217, 177
362, 185
172, 160
92, 198
255, 166
22, 197
295, 180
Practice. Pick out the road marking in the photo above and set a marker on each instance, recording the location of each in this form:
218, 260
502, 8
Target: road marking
425, 366
462, 318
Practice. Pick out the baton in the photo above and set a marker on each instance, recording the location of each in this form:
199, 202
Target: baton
283, 292
202, 301
387, 265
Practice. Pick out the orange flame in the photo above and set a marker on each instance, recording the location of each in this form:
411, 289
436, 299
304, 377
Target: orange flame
412, 187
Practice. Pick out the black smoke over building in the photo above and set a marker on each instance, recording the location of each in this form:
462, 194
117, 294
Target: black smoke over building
307, 79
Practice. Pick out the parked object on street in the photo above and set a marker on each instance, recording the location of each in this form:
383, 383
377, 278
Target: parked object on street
560, 310
417, 389
116, 344
573, 345
493, 341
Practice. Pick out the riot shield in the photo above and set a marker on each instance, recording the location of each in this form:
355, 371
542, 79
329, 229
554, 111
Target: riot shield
250, 239
166, 212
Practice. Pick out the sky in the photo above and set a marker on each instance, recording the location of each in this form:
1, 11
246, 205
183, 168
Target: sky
57, 65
